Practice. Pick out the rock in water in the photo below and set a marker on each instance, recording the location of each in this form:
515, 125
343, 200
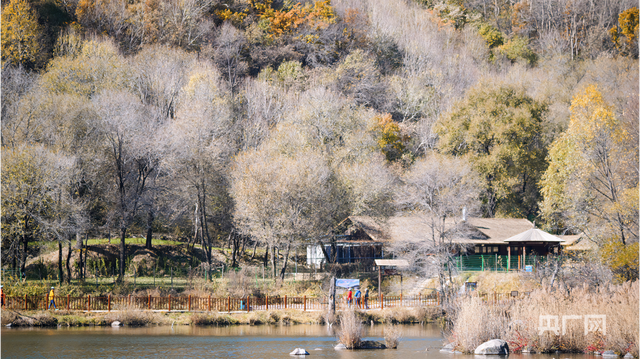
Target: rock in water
628, 356
340, 347
609, 354
493, 347
116, 324
371, 344
299, 351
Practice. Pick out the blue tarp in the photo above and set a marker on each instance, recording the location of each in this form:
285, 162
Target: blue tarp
347, 283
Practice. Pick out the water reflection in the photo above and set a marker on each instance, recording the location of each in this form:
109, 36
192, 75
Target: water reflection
221, 342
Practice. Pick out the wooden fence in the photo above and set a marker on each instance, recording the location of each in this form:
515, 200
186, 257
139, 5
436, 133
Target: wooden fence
229, 304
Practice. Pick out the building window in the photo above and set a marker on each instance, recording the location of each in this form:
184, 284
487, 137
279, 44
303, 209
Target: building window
477, 249
495, 249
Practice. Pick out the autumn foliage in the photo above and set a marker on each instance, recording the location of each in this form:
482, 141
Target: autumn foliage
20, 33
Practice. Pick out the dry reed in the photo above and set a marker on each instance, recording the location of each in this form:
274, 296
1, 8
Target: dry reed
350, 333
392, 336
518, 322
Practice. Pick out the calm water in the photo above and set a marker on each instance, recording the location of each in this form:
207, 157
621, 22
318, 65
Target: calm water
219, 342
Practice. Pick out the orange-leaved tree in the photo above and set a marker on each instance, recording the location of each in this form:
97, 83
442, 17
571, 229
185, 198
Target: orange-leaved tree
281, 22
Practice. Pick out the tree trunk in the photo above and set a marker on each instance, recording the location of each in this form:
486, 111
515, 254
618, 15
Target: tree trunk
255, 246
123, 248
60, 275
244, 243
235, 242
273, 262
150, 218
68, 263
80, 261
25, 247
78, 240
203, 222
86, 252
265, 261
286, 260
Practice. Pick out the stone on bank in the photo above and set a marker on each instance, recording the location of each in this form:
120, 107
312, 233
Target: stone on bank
493, 347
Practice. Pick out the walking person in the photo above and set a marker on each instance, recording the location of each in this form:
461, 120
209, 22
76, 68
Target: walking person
366, 298
52, 296
349, 298
358, 296
2, 295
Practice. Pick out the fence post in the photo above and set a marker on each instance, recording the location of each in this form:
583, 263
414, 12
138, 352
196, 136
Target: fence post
88, 302
169, 302
285, 301
129, 300
381, 301
266, 302
209, 304
25, 302
149, 302
229, 304
401, 301
248, 301
305, 303
109, 303
68, 301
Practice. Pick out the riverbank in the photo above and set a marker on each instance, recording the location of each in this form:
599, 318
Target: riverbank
583, 320
134, 318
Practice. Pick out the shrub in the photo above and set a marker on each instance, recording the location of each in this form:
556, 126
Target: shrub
392, 336
350, 329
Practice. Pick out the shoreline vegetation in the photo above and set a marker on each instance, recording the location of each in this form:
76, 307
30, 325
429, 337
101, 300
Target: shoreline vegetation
587, 320
137, 318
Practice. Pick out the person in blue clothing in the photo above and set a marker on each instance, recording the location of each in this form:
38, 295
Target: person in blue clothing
358, 295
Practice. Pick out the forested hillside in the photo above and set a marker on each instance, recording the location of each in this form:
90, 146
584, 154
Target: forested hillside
270, 122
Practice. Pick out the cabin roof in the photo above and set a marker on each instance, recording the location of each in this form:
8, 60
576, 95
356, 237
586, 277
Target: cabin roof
417, 228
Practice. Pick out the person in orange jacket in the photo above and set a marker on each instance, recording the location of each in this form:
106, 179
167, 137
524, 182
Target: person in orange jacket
52, 296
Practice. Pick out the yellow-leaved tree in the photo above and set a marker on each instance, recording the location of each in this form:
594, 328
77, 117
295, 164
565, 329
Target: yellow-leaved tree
625, 34
591, 184
20, 34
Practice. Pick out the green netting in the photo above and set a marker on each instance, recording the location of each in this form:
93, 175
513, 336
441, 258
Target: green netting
494, 262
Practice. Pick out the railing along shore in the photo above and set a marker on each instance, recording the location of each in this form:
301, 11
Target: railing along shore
229, 304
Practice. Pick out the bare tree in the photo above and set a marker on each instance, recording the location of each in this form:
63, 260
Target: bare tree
130, 159
229, 56
281, 200
200, 141
437, 189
